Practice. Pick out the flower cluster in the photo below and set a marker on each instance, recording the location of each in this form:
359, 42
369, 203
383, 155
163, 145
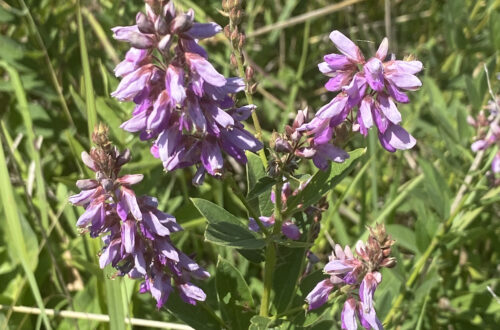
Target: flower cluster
294, 142
372, 86
181, 100
135, 233
482, 123
356, 272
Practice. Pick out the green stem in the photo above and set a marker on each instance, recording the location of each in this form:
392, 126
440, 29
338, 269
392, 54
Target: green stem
241, 72
270, 262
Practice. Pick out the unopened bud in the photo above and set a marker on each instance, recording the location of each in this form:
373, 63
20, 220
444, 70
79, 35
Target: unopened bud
282, 145
161, 26
226, 5
181, 23
123, 158
300, 118
249, 72
169, 11
86, 184
234, 34
273, 168
237, 16
140, 41
227, 31
100, 135
144, 24
389, 262
107, 184
233, 60
242, 40
165, 43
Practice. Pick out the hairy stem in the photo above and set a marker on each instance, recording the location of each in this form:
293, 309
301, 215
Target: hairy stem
270, 262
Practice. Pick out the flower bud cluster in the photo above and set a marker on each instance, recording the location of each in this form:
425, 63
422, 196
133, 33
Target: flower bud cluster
358, 273
135, 233
234, 32
372, 86
294, 144
182, 102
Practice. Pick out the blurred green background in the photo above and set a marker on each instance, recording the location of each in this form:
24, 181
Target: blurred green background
448, 261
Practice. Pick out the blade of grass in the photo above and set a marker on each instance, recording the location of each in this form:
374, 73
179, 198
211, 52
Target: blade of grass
87, 76
38, 38
304, 17
16, 234
101, 35
34, 153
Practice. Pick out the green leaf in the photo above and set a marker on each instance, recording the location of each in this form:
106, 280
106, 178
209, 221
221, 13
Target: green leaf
255, 172
436, 188
225, 229
260, 323
262, 186
196, 316
404, 237
286, 275
322, 182
472, 93
234, 295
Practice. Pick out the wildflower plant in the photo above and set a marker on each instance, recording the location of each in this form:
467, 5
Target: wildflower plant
189, 114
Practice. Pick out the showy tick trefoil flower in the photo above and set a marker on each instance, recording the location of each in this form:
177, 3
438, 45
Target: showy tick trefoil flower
359, 273
372, 86
182, 103
135, 233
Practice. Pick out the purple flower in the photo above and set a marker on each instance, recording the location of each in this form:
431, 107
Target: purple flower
288, 228
360, 273
135, 233
319, 295
184, 105
353, 76
348, 315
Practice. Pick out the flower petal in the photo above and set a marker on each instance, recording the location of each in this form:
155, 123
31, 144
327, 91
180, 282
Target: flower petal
319, 295
346, 46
